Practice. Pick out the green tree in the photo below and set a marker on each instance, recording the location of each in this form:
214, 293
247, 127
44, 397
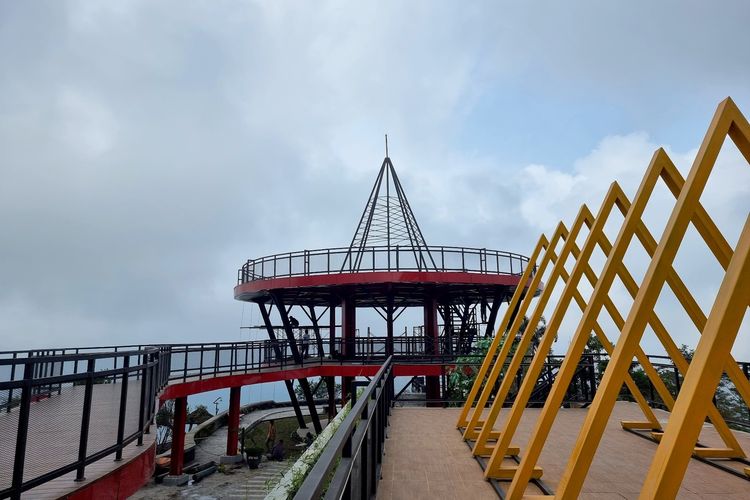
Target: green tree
198, 416
321, 392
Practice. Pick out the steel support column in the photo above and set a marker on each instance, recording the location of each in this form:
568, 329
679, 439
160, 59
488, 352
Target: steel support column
303, 383
280, 356
490, 331
431, 347
233, 423
316, 330
331, 387
332, 329
177, 455
346, 387
348, 326
389, 309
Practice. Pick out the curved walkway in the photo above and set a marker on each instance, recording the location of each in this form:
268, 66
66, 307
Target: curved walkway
239, 482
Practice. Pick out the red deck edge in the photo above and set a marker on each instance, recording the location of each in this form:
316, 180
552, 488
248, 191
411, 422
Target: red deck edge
453, 277
181, 389
121, 482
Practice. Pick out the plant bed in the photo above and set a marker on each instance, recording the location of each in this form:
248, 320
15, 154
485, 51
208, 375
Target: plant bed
254, 456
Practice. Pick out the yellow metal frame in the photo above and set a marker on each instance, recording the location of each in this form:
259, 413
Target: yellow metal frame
497, 365
463, 418
712, 357
615, 196
570, 292
718, 332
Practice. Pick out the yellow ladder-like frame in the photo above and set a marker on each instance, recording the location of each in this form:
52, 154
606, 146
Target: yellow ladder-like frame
713, 354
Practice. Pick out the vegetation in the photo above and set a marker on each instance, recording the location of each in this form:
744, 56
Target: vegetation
321, 391
198, 416
165, 422
461, 377
286, 429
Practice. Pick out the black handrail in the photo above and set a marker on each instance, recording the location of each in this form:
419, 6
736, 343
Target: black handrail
27, 377
356, 448
52, 376
384, 258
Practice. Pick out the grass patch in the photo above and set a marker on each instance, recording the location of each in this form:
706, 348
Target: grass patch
286, 429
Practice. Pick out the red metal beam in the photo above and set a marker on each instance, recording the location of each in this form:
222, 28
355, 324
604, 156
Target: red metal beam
182, 389
177, 455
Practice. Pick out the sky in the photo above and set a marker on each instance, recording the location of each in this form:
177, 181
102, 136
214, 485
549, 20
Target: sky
147, 149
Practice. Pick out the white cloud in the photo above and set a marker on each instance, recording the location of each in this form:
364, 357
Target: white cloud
550, 194
87, 125
150, 148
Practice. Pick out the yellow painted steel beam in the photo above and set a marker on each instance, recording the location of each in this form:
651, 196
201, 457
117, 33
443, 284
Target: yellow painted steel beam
685, 298
481, 445
727, 120
547, 416
686, 421
521, 289
494, 468
470, 431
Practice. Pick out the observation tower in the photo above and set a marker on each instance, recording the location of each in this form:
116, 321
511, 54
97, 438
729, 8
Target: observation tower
388, 267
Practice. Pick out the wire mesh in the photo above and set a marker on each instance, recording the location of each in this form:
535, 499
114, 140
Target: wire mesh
8, 431
54, 430
105, 408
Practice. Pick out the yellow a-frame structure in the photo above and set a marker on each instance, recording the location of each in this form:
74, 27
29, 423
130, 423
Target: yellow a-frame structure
712, 357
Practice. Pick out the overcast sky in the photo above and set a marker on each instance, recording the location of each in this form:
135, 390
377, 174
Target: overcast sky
148, 148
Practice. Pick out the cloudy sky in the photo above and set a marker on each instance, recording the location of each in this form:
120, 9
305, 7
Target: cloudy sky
148, 148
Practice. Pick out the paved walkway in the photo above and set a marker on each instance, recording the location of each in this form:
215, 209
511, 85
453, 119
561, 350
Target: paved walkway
426, 457
215, 445
239, 482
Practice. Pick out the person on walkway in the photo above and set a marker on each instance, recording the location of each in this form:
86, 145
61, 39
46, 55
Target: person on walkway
293, 322
277, 453
305, 343
271, 437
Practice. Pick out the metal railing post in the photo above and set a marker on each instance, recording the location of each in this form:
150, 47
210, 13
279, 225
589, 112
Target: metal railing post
23, 430
123, 408
142, 407
85, 420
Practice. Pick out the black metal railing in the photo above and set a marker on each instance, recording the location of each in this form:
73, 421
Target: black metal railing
120, 385
349, 466
381, 258
53, 399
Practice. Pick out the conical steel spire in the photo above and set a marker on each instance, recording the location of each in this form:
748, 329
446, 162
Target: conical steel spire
388, 221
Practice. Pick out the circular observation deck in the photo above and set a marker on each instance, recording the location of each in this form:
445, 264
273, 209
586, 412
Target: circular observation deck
373, 275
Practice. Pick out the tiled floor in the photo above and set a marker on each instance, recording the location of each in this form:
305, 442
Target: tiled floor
427, 458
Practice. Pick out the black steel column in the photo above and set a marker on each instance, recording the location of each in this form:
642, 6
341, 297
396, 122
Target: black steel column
303, 383
389, 309
331, 387
123, 407
490, 331
23, 430
349, 326
431, 347
288, 330
85, 421
332, 330
279, 356
316, 330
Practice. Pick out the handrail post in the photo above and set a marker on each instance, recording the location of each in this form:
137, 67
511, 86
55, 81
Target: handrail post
85, 420
142, 406
23, 430
123, 407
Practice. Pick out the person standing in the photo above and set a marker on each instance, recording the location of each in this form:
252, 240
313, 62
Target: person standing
305, 343
271, 437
